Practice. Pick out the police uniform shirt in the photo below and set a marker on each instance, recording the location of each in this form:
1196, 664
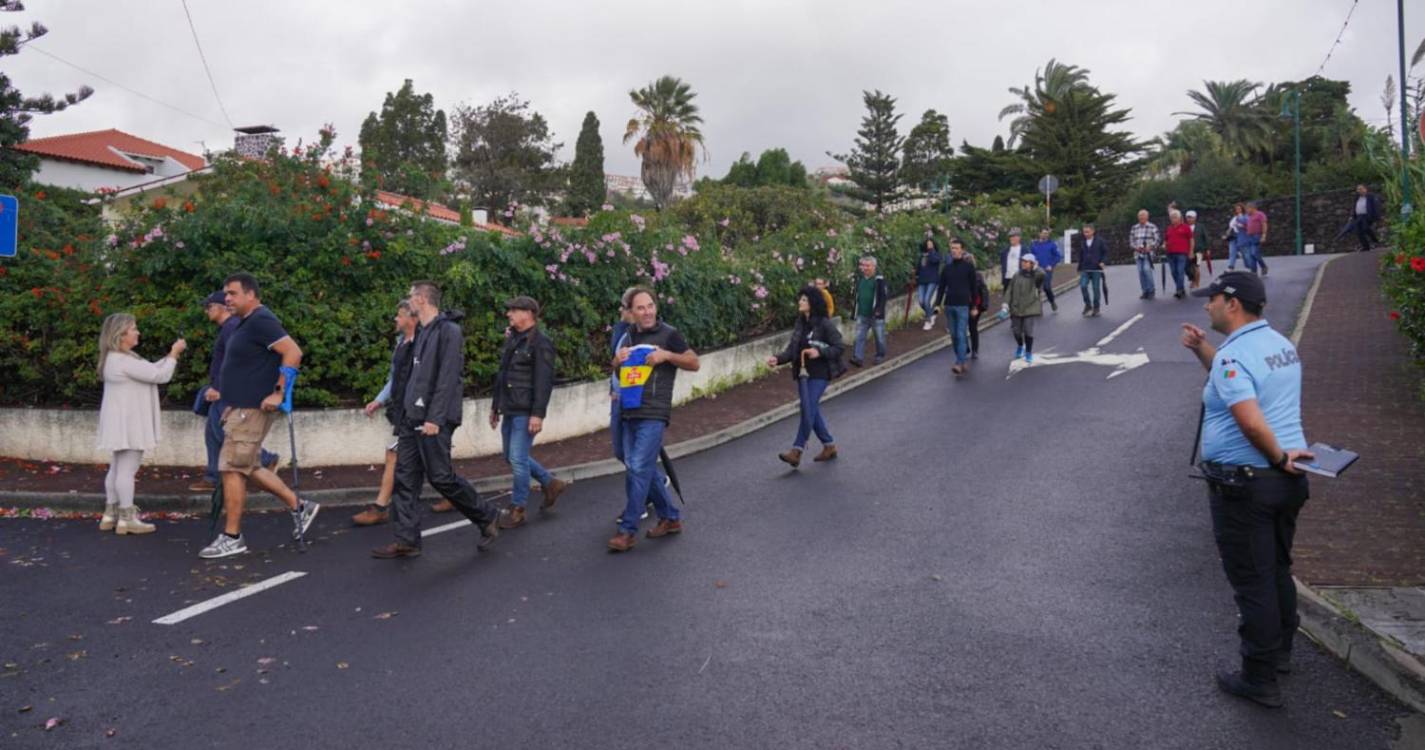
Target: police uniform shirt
1255, 362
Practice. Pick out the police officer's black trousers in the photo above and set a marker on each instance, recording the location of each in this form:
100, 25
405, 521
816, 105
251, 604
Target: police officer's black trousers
421, 458
1254, 525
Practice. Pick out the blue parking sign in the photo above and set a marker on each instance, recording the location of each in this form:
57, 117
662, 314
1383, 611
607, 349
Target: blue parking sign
9, 225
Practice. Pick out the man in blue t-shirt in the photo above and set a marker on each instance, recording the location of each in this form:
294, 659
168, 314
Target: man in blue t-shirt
1251, 435
253, 381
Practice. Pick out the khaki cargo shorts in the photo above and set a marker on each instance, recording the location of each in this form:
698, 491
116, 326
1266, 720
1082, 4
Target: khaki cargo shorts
243, 433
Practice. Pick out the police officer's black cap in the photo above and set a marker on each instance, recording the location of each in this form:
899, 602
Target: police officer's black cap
523, 302
1241, 285
216, 298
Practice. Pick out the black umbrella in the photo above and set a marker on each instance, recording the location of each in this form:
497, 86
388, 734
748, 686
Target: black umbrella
1104, 276
672, 475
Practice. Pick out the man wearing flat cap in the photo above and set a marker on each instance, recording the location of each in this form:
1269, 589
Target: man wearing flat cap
1250, 436
522, 388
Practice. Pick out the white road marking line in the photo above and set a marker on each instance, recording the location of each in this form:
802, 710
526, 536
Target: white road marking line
453, 525
1106, 340
228, 598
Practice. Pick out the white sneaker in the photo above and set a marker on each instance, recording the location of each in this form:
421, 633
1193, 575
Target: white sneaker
302, 517
929, 324
224, 546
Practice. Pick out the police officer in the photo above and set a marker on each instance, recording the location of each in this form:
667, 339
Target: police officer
1251, 434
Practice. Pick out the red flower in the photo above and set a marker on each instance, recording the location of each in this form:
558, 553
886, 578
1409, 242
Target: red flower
188, 206
374, 255
40, 195
160, 203
1400, 259
1417, 264
345, 260
1395, 315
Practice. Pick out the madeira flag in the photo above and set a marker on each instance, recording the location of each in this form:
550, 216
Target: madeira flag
633, 374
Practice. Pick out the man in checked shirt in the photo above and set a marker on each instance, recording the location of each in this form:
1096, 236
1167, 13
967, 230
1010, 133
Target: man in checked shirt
1145, 239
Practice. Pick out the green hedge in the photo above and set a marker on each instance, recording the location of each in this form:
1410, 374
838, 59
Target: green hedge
726, 265
1403, 280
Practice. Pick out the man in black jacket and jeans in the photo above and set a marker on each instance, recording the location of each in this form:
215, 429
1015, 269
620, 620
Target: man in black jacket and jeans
522, 389
431, 410
956, 291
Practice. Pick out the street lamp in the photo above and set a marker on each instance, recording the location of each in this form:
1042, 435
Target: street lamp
1291, 107
1404, 115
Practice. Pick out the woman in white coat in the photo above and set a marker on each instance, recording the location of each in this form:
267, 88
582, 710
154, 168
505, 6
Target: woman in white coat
128, 416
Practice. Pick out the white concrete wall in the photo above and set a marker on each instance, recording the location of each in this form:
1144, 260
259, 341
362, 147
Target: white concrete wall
86, 177
329, 437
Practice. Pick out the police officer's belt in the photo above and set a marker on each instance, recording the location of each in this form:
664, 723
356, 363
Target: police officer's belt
1233, 475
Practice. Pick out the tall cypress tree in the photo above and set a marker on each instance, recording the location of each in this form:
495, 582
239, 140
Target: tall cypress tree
403, 147
874, 161
587, 189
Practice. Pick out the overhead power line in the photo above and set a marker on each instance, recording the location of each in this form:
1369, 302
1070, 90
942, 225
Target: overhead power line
1339, 34
204, 58
116, 84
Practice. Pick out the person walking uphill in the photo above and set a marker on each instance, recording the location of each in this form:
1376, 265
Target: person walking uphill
128, 416
1047, 252
1092, 257
523, 386
814, 353
927, 274
1365, 212
215, 307
430, 414
870, 310
1177, 242
1251, 435
1022, 303
957, 284
259, 360
647, 366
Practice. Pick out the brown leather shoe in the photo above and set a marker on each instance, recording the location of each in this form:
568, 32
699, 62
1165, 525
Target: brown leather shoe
553, 490
513, 519
827, 453
443, 506
622, 542
372, 516
202, 485
792, 456
664, 528
395, 550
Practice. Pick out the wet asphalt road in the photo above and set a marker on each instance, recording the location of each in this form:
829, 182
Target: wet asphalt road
992, 563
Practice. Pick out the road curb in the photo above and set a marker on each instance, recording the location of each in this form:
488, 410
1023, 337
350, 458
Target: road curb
1377, 658
355, 496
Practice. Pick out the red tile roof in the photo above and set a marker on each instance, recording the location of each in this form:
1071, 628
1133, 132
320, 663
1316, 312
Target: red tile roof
100, 147
436, 211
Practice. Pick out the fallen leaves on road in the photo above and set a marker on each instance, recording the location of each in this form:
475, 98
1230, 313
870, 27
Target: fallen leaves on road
53, 722
720, 584
120, 620
385, 615
26, 709
342, 665
76, 655
111, 732
229, 686
180, 661
937, 577
1338, 714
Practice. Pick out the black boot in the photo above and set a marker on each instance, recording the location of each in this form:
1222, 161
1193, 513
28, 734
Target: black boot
1265, 693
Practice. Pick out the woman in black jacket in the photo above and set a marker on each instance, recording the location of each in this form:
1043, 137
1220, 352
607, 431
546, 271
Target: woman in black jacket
815, 355
979, 303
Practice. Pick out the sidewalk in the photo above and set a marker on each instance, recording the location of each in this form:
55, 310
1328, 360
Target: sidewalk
1360, 545
696, 425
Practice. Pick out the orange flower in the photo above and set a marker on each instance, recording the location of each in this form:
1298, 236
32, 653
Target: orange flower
322, 181
345, 260
188, 206
68, 249
160, 203
39, 195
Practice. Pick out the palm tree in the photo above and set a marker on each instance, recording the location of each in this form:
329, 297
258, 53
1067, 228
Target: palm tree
668, 135
1182, 148
1052, 85
1229, 108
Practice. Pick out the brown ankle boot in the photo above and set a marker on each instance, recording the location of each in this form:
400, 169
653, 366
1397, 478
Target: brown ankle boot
373, 514
827, 453
792, 456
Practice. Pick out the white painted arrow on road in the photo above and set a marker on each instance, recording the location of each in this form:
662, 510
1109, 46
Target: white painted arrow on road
1093, 355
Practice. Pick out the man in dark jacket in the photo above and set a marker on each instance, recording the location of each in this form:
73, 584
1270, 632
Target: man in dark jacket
1093, 254
1365, 212
869, 310
430, 413
956, 292
522, 389
216, 310
927, 271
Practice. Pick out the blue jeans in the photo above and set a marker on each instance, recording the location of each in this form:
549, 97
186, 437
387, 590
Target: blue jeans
1145, 273
616, 427
1094, 280
642, 439
1177, 266
925, 293
1231, 253
957, 324
809, 390
515, 437
213, 440
864, 326
1250, 251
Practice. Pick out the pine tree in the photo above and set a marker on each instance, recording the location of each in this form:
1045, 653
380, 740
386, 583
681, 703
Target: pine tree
587, 189
927, 151
16, 110
874, 160
403, 147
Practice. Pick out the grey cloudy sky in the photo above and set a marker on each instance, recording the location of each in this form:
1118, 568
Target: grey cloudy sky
767, 74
